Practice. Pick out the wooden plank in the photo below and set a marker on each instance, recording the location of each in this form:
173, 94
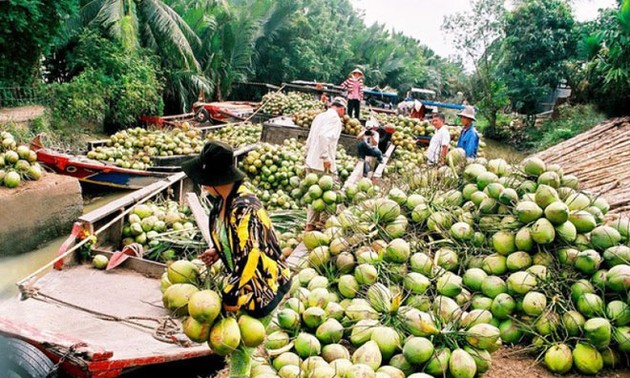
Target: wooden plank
201, 218
297, 256
132, 198
378, 174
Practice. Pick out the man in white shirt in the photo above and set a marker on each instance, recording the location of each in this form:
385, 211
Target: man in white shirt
368, 145
321, 148
440, 141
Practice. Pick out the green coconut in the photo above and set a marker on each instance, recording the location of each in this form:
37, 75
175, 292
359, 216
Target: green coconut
225, 336
528, 211
518, 261
313, 239
618, 278
573, 322
603, 237
421, 263
449, 284
416, 282
590, 305
511, 332
438, 364
204, 306
332, 352
545, 196
387, 339
476, 316
473, 278
578, 201
461, 231
307, 345
587, 359
523, 240
494, 264
461, 364
559, 358
619, 254
583, 221
503, 242
362, 331
533, 166
482, 336
397, 251
521, 282
368, 354
446, 258
534, 303
622, 338
618, 312
503, 305
543, 232
622, 225
557, 212
348, 286
598, 331
177, 296
588, 261
330, 331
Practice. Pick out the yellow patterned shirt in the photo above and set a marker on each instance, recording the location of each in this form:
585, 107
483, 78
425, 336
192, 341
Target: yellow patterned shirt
259, 278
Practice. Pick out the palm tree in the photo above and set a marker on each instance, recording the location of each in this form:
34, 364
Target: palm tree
151, 24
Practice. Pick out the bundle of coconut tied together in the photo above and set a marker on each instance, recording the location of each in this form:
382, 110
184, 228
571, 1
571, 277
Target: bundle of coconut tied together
185, 295
433, 279
17, 162
277, 173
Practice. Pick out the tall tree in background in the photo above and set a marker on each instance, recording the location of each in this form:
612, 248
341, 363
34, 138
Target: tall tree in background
539, 42
152, 25
28, 30
603, 68
477, 36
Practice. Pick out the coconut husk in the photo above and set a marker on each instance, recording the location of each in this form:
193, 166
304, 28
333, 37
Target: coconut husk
600, 158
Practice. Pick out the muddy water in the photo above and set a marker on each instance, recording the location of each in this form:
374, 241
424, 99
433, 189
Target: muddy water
14, 268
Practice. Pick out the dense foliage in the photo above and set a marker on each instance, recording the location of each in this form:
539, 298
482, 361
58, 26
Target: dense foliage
113, 87
539, 40
186, 49
28, 29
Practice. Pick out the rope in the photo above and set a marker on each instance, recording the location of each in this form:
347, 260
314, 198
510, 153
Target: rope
167, 329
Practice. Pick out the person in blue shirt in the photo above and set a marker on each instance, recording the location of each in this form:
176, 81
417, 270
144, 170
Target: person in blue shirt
469, 138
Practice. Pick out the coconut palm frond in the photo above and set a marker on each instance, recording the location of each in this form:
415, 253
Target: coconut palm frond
169, 31
109, 17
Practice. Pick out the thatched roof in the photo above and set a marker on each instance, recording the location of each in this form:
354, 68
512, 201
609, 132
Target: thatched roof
600, 158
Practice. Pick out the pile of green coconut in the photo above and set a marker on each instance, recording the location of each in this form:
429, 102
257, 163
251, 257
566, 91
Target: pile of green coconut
431, 277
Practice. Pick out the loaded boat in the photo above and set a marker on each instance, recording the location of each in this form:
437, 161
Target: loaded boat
84, 322
94, 171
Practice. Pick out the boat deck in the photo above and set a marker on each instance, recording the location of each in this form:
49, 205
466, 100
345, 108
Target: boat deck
120, 292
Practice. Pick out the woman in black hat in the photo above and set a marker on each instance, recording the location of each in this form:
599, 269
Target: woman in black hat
241, 232
243, 238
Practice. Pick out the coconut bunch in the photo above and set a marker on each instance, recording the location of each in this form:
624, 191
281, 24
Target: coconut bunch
134, 148
322, 192
305, 118
279, 103
533, 251
465, 275
165, 229
237, 136
351, 126
185, 294
368, 307
276, 172
17, 162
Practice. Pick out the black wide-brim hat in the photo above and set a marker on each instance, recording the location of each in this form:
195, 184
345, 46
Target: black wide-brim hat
214, 166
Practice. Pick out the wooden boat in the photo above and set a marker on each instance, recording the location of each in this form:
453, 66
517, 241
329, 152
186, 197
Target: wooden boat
93, 323
94, 171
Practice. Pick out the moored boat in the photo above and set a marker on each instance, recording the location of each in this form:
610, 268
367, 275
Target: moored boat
92, 323
94, 171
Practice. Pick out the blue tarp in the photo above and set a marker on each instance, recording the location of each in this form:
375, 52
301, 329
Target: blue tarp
443, 105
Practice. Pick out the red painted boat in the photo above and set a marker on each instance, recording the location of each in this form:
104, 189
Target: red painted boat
94, 171
86, 322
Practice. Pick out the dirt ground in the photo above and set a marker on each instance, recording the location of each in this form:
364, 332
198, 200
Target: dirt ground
21, 114
513, 363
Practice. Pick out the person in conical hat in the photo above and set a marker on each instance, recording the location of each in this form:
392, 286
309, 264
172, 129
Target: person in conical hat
354, 88
469, 138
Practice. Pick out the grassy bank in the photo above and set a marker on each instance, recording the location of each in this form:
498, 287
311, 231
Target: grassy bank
570, 121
